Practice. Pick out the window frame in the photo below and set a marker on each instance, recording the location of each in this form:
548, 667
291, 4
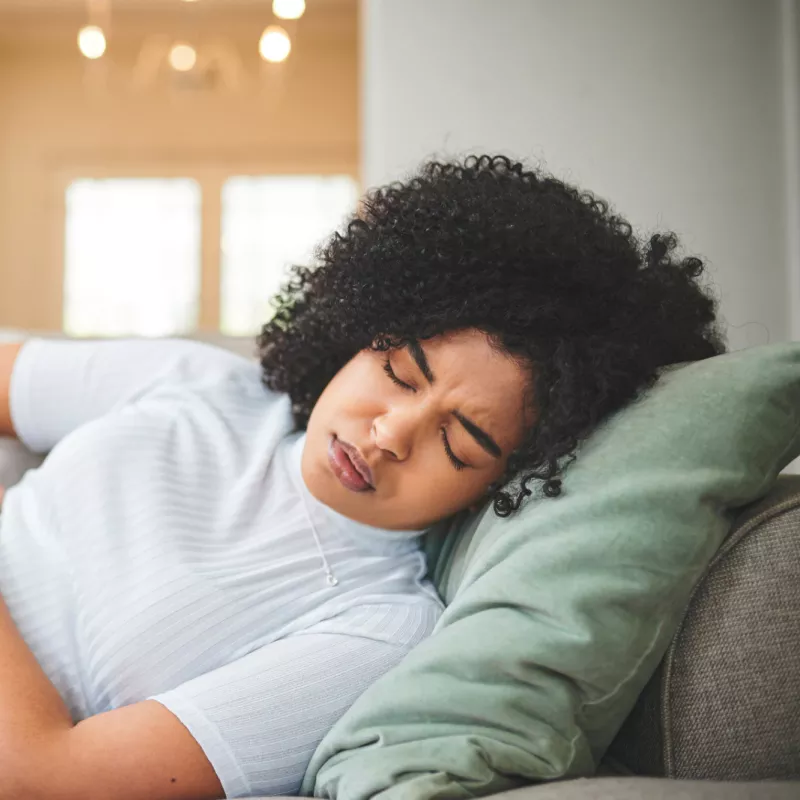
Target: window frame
210, 172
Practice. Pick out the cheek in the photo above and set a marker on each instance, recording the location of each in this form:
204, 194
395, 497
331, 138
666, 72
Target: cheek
475, 486
443, 489
436, 499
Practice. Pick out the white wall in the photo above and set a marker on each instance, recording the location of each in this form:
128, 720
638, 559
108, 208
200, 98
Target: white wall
671, 109
790, 80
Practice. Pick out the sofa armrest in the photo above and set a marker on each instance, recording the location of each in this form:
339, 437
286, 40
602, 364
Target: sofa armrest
723, 703
653, 789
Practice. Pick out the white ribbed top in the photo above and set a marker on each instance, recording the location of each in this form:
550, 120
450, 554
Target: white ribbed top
165, 550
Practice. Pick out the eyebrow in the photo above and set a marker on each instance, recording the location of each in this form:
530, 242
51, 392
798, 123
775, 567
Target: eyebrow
422, 360
478, 434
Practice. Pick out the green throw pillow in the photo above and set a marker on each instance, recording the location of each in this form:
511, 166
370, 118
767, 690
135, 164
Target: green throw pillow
557, 617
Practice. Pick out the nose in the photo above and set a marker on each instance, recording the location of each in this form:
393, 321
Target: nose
393, 432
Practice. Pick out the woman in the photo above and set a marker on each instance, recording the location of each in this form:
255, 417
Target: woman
217, 557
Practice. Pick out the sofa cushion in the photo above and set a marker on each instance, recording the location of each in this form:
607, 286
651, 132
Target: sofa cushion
558, 616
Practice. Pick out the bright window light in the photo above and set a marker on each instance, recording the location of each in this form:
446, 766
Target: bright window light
132, 260
268, 224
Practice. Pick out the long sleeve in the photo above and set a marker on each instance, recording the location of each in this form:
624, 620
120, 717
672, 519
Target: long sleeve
58, 385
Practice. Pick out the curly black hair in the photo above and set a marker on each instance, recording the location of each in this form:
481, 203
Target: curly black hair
547, 271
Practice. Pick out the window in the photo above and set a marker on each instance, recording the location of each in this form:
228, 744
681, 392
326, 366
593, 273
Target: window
132, 257
133, 262
268, 224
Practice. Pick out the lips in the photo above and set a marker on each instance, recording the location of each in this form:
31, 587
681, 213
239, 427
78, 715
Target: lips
349, 466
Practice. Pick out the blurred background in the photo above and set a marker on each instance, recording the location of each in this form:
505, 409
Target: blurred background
163, 161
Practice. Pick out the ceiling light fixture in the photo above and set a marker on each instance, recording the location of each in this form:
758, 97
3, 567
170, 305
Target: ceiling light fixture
182, 57
288, 9
91, 41
274, 45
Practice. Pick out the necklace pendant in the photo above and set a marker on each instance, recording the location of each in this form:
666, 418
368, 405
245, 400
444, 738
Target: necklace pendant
332, 580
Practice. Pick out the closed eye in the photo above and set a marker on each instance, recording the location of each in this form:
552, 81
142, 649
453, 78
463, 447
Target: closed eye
387, 368
452, 457
454, 460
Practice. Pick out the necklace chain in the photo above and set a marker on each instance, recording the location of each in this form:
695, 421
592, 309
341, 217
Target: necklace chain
330, 578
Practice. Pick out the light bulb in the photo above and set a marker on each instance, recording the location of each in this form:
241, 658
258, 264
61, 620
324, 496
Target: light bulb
91, 41
182, 57
274, 44
288, 9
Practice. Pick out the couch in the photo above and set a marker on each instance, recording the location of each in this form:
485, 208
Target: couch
720, 717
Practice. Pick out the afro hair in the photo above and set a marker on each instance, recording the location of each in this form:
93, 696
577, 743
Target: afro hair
547, 271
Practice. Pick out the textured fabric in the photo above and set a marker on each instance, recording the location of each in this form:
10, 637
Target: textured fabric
557, 617
725, 703
16, 459
732, 683
259, 718
644, 789
164, 550
650, 789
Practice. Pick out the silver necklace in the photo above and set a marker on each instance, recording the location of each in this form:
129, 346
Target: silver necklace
330, 578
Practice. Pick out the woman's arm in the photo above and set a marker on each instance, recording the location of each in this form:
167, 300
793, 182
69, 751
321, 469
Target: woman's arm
33, 712
43, 754
8, 355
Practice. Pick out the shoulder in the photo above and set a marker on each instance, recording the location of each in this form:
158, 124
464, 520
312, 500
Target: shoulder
215, 377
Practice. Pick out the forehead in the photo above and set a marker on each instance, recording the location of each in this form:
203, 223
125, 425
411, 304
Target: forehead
488, 382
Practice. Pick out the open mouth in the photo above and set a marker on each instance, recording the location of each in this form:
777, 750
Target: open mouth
351, 475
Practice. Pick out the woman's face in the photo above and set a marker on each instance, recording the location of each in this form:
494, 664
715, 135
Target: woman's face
457, 388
